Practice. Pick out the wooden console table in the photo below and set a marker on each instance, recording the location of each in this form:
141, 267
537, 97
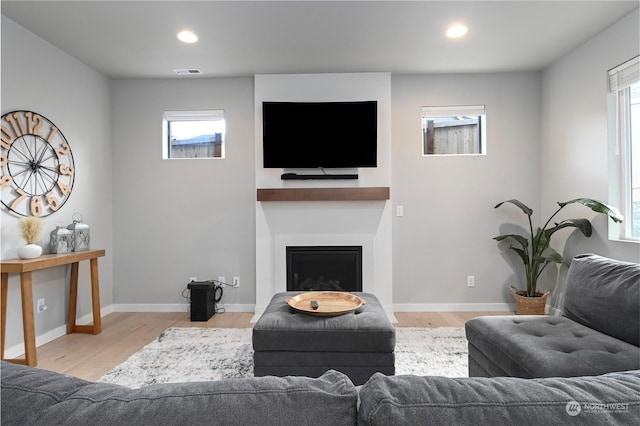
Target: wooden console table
24, 267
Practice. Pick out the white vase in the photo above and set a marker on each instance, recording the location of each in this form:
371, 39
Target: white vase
30, 251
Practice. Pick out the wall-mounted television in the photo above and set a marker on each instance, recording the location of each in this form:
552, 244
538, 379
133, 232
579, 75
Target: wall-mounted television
320, 134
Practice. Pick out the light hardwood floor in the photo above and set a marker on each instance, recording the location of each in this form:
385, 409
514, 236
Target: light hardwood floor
92, 356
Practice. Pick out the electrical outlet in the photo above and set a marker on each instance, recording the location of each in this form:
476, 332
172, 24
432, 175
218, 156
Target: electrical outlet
41, 305
192, 279
471, 281
222, 280
236, 281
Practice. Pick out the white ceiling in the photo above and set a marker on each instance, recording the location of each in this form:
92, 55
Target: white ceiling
137, 39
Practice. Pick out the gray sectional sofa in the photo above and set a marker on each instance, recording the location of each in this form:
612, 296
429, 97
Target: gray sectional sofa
591, 339
32, 396
598, 331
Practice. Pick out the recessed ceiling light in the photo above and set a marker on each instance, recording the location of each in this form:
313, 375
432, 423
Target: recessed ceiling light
187, 36
457, 30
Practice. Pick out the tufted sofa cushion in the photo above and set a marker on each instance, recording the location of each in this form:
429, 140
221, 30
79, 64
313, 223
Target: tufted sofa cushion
604, 294
544, 346
31, 396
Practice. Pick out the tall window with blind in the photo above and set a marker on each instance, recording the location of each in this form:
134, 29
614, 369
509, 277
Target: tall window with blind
624, 120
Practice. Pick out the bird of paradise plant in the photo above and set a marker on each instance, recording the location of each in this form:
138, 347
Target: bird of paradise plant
534, 249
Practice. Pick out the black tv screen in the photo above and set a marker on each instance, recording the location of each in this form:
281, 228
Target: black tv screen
320, 134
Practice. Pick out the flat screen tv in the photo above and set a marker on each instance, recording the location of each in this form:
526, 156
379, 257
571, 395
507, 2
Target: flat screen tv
320, 134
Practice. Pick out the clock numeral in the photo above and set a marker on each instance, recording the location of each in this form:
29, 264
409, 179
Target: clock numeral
17, 201
5, 180
66, 170
6, 137
65, 189
52, 133
64, 149
34, 122
16, 124
53, 201
3, 160
36, 206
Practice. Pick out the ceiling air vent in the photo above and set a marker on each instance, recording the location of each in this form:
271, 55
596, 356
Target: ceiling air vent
187, 71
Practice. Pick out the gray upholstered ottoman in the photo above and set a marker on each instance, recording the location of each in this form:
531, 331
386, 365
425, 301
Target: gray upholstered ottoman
597, 333
291, 343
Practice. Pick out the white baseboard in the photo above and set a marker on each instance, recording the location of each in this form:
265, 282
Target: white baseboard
453, 307
389, 311
179, 307
51, 335
237, 307
258, 310
146, 307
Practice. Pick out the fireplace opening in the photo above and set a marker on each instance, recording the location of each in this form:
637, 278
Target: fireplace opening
324, 268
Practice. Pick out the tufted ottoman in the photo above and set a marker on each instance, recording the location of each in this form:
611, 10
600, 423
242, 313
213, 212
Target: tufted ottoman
598, 331
290, 343
544, 346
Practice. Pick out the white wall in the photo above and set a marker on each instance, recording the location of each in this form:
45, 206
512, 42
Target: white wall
180, 218
574, 145
39, 77
449, 220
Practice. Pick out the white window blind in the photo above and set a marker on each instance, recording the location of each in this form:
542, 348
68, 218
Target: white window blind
451, 111
624, 75
204, 115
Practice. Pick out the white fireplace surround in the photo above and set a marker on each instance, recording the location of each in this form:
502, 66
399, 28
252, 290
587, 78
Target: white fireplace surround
344, 223
365, 223
281, 242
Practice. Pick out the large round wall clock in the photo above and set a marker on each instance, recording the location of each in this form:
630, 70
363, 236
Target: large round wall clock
37, 164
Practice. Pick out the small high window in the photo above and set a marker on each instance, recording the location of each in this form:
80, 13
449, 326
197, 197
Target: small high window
193, 134
454, 130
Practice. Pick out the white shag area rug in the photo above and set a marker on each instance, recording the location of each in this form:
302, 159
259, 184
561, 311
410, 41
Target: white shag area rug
203, 354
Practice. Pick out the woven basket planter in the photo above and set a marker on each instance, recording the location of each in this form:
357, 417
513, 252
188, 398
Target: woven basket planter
529, 305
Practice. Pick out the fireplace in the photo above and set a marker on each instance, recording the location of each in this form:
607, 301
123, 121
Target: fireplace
324, 268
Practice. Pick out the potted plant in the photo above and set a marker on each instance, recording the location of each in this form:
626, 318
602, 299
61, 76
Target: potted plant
535, 252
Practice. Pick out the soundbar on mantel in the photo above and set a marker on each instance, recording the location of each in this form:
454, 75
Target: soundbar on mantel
297, 176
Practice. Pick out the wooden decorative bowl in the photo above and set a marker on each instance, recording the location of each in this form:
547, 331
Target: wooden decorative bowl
329, 303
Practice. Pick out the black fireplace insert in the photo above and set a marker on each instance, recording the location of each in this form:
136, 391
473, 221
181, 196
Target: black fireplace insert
324, 268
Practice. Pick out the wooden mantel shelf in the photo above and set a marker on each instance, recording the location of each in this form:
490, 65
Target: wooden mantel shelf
324, 194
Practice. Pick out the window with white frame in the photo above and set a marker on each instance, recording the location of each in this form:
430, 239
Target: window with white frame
624, 118
193, 134
454, 130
